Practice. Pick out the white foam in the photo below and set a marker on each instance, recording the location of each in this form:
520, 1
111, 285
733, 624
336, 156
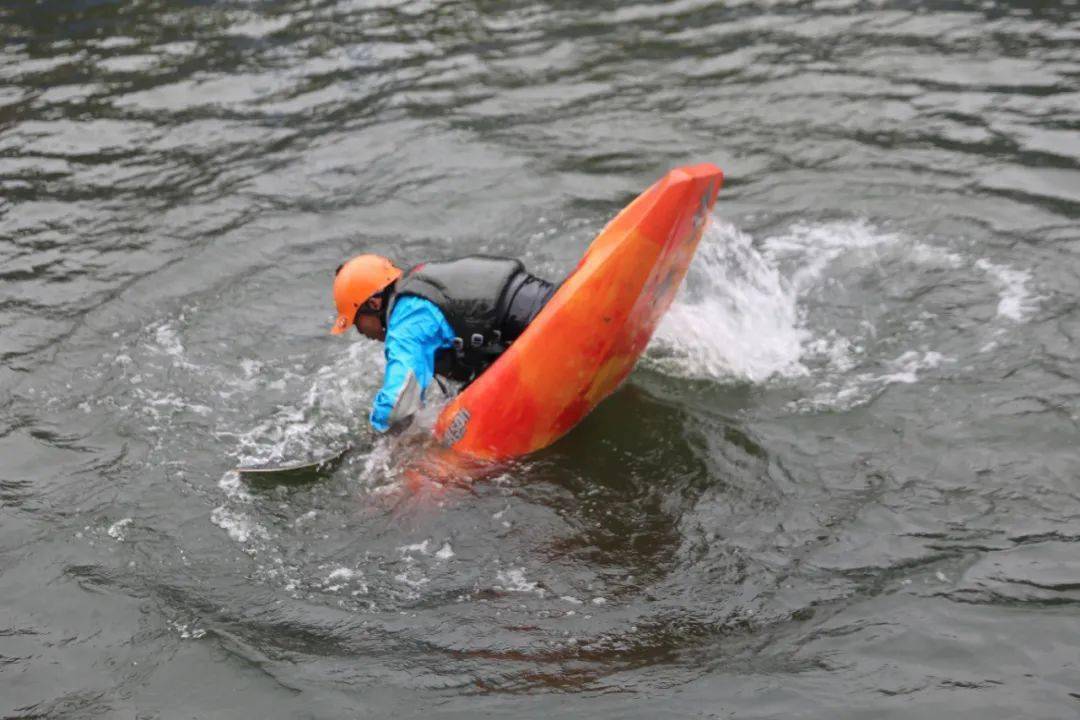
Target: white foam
116, 530
834, 351
815, 247
117, 41
188, 631
514, 580
232, 487
257, 26
1015, 302
154, 400
380, 463
239, 526
930, 255
342, 573
342, 577
445, 552
845, 392
905, 368
167, 340
309, 515
420, 547
412, 579
309, 428
250, 367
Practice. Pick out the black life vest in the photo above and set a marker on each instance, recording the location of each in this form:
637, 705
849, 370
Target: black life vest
474, 294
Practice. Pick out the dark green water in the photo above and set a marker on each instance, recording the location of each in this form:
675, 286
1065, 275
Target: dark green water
843, 484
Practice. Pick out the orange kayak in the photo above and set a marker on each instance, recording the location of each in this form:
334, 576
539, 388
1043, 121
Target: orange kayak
589, 336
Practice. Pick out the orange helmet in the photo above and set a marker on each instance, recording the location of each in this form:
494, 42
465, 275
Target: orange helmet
356, 281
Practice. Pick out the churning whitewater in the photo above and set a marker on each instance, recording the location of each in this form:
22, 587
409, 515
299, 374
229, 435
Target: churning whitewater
775, 310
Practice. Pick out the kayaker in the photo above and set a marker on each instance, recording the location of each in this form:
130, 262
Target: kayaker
451, 319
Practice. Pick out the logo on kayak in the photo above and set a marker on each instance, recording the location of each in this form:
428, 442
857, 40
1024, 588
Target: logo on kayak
456, 431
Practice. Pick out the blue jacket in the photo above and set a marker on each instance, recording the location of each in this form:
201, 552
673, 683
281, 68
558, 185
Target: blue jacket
415, 331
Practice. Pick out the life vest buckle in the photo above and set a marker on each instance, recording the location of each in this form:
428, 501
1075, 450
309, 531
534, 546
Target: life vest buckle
477, 340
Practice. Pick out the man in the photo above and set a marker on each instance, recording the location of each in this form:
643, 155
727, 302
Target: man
449, 318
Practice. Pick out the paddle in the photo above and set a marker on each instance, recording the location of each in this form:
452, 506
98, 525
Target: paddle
297, 470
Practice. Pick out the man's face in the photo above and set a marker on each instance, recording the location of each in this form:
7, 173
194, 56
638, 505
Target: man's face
369, 325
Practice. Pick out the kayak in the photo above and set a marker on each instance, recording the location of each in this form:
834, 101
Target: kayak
587, 339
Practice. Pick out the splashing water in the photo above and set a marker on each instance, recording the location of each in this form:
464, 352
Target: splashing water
736, 316
794, 308
319, 420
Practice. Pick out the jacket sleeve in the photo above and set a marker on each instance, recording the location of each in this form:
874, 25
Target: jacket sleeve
417, 330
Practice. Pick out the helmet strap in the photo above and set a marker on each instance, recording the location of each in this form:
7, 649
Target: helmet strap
386, 293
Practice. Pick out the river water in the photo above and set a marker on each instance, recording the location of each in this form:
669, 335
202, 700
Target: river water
844, 482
